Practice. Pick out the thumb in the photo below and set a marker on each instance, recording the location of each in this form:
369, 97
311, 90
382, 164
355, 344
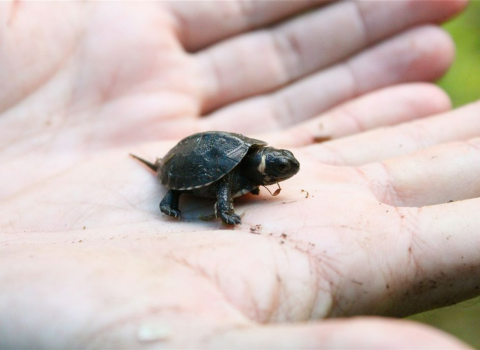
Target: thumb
356, 333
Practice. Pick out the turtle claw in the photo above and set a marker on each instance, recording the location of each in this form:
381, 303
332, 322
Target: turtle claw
171, 212
232, 219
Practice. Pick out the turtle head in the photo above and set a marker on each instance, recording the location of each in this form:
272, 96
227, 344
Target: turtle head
268, 165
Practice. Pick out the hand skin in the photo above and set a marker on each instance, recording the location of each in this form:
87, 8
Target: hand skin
365, 229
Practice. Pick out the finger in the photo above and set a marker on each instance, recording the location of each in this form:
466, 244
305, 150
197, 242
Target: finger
432, 260
274, 57
390, 63
359, 333
375, 145
445, 244
389, 106
440, 174
206, 22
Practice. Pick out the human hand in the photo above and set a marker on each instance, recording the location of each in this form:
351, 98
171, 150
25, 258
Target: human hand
89, 247
80, 78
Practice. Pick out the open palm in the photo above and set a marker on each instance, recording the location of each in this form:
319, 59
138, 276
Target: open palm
81, 234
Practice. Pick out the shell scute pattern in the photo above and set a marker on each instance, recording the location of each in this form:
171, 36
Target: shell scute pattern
201, 159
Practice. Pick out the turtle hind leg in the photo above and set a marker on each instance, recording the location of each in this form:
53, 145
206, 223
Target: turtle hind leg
224, 205
169, 204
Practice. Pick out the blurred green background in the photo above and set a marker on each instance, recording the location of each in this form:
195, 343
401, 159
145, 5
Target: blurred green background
462, 83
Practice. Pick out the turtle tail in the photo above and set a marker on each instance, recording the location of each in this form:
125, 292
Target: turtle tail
152, 166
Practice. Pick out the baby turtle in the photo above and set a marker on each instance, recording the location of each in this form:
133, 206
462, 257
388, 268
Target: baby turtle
220, 165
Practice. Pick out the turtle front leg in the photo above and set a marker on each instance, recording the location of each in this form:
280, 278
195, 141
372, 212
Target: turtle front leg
224, 205
169, 204
255, 191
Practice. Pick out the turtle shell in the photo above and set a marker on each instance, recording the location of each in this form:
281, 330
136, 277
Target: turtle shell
201, 159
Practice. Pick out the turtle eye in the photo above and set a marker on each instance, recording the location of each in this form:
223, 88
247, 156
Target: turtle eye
283, 166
